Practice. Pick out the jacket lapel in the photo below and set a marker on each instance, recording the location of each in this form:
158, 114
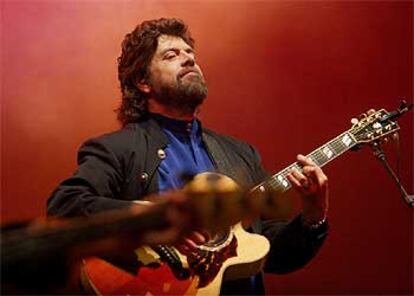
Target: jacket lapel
155, 141
219, 156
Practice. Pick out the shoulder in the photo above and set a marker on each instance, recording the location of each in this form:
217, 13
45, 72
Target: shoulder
117, 137
121, 141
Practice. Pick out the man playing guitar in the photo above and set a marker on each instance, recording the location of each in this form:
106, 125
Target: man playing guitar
161, 139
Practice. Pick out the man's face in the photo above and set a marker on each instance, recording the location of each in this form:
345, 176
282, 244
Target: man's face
174, 77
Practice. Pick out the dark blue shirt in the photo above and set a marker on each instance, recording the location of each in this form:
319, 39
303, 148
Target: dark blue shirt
185, 153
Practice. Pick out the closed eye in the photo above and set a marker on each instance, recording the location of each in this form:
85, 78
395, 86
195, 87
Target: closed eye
172, 53
170, 56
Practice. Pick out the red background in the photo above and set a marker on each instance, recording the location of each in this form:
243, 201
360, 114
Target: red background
284, 76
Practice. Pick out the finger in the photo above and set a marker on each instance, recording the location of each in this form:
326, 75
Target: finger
183, 249
305, 160
302, 179
298, 180
371, 111
205, 234
197, 237
309, 172
316, 174
190, 244
294, 182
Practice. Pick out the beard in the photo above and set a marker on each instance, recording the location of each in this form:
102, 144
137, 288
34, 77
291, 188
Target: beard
186, 94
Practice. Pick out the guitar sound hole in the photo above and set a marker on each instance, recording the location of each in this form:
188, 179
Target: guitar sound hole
218, 241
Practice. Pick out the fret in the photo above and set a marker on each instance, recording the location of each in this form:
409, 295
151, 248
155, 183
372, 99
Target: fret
312, 157
337, 145
277, 182
297, 166
327, 152
319, 156
322, 155
344, 142
316, 157
346, 139
281, 178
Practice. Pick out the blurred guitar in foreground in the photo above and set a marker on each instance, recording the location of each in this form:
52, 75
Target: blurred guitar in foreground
36, 256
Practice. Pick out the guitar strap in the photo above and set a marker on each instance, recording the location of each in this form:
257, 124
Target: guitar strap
219, 156
223, 166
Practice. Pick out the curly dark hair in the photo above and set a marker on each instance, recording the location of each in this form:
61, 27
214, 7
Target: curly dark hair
138, 48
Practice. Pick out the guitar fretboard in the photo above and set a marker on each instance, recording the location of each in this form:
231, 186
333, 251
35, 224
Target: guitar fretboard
320, 156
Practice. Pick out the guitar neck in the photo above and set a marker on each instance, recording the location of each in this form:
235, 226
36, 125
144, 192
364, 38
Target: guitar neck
60, 237
321, 156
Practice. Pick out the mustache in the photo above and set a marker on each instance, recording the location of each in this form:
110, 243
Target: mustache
188, 70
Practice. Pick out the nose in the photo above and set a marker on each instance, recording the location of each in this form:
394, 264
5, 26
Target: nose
188, 59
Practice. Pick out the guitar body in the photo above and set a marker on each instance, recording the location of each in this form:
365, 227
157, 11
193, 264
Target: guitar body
243, 257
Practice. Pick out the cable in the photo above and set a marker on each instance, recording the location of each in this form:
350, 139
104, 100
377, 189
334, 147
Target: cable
380, 155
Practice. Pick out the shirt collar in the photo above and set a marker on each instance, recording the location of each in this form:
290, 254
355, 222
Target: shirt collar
187, 127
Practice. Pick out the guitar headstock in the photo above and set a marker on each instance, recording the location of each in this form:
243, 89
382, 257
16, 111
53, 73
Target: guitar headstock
373, 126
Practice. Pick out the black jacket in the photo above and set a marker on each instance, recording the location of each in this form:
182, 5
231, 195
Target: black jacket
119, 167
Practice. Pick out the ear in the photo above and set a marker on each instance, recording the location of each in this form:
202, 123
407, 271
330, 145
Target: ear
144, 86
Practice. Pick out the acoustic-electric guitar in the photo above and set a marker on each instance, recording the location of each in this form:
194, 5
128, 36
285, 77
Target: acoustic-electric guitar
230, 254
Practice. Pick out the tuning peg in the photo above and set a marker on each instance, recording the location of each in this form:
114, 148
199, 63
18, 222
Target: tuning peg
371, 111
362, 116
354, 121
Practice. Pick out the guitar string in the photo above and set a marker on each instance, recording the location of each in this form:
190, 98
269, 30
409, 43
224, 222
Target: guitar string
336, 144
319, 157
